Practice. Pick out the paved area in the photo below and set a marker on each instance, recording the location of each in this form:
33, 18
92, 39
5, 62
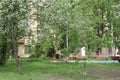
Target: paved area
93, 61
90, 61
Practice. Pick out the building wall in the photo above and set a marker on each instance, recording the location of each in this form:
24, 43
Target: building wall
31, 32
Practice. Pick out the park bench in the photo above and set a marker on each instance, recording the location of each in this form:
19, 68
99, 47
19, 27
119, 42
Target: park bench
115, 58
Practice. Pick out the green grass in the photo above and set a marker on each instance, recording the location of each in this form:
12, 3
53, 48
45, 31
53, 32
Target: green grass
36, 69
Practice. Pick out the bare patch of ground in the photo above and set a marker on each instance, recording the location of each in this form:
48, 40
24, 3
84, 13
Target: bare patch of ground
92, 74
54, 77
103, 74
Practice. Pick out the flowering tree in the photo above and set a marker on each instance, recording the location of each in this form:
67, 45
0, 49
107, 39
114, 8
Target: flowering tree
13, 19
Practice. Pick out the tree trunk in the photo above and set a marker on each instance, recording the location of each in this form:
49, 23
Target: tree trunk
15, 50
3, 59
3, 52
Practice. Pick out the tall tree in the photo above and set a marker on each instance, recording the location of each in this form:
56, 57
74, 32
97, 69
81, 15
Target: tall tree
81, 23
13, 19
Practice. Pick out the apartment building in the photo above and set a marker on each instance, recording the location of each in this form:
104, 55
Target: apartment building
31, 33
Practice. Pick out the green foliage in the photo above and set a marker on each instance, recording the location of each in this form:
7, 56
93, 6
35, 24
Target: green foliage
13, 19
44, 48
16, 12
80, 23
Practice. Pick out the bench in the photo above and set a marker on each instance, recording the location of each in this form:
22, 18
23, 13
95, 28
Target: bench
115, 58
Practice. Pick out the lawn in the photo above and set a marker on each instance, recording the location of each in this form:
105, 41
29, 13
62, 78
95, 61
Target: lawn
36, 69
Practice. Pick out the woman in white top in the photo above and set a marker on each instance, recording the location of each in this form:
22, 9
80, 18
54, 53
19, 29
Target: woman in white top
118, 53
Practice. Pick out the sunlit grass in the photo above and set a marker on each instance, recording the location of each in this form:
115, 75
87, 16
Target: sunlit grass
37, 69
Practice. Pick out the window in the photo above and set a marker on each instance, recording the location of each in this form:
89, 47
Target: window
29, 23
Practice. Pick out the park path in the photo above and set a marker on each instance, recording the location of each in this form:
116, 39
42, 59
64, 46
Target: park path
91, 61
